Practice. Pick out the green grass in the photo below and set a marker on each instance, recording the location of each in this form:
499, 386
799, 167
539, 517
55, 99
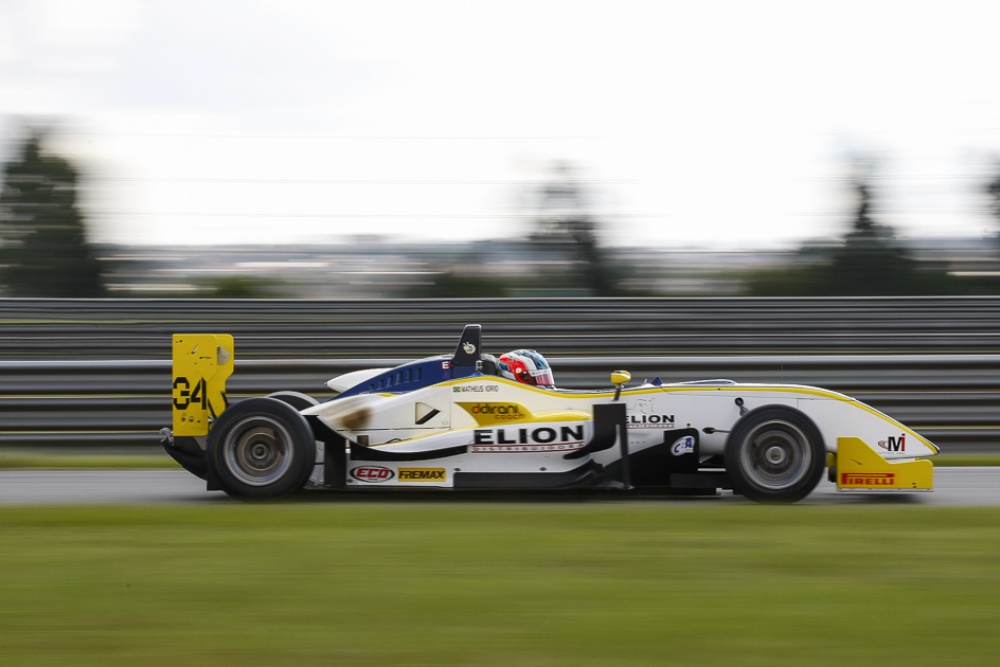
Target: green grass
597, 583
27, 460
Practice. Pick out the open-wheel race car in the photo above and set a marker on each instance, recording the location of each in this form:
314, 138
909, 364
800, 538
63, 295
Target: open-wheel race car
472, 421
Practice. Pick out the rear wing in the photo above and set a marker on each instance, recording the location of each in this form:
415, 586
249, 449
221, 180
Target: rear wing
201, 365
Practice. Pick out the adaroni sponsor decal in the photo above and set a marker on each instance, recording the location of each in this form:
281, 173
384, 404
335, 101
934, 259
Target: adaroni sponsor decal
868, 479
489, 413
421, 474
372, 474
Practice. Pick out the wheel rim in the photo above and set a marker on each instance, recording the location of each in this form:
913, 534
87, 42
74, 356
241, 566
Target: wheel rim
258, 451
777, 455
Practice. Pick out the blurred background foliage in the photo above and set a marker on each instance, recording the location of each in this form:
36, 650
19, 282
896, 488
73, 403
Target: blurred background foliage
868, 261
45, 252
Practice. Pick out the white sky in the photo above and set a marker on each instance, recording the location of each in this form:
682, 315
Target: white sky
724, 124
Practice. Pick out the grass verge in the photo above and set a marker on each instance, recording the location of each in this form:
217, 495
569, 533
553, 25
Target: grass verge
26, 460
499, 584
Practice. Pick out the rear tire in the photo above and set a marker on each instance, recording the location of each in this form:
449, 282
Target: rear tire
296, 399
775, 454
261, 448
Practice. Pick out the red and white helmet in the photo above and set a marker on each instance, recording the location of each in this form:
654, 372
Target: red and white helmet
526, 366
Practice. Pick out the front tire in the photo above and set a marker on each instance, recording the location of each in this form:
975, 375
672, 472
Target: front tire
261, 448
775, 454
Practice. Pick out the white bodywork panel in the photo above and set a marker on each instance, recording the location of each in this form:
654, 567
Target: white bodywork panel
344, 382
512, 427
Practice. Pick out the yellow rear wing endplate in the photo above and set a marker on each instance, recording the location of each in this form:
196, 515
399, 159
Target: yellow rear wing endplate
861, 467
201, 365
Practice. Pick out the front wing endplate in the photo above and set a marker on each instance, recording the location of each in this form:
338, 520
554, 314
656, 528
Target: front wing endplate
861, 467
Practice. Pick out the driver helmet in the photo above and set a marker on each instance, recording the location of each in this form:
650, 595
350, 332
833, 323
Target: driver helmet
526, 366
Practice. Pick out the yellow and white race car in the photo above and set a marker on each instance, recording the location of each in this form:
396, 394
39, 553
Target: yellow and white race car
469, 420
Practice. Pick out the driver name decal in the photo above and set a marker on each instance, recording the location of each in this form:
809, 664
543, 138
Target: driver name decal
540, 439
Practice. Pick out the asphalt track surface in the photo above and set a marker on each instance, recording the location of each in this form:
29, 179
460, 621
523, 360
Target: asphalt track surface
953, 486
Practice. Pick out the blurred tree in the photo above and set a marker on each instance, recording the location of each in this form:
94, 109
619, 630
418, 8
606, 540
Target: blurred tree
869, 262
450, 285
565, 230
240, 287
993, 191
43, 246
988, 280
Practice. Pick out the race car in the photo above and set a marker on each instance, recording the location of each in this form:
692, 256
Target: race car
472, 421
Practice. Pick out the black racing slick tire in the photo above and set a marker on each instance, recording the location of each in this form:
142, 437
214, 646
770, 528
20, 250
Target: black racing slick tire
261, 449
296, 399
775, 455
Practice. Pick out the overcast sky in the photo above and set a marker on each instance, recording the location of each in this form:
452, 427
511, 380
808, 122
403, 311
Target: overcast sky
723, 124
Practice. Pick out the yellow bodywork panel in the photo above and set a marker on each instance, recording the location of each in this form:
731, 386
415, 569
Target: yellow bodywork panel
488, 413
861, 467
201, 365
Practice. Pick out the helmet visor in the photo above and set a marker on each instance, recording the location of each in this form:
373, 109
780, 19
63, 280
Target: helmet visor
543, 378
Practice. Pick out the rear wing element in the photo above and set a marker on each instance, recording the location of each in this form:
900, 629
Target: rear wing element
201, 365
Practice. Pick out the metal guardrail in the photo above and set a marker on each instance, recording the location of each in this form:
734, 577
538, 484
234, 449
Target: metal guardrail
97, 372
951, 399
141, 328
